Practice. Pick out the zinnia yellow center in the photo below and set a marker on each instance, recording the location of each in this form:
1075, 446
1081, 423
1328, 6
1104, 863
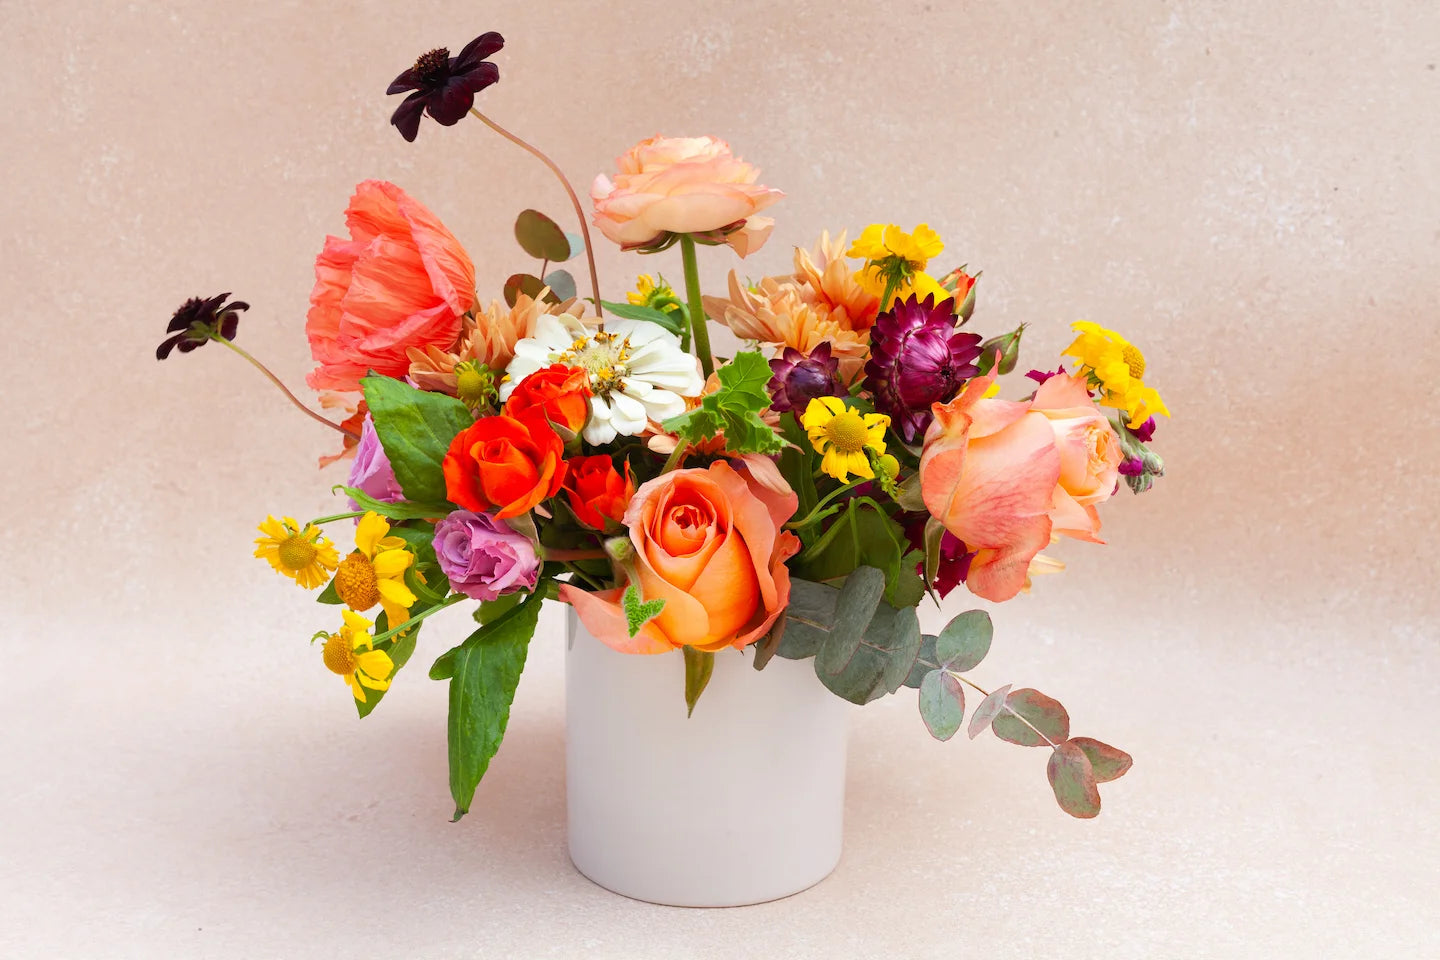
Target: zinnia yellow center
847, 432
355, 584
296, 552
338, 655
1134, 359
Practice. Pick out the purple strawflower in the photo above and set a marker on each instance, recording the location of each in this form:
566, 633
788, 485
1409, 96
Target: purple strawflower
445, 86
798, 379
483, 557
918, 357
370, 471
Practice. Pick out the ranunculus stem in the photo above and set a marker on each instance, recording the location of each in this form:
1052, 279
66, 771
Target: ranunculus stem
698, 326
569, 190
286, 390
561, 556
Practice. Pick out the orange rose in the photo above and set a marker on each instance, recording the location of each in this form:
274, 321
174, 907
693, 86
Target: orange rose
402, 280
709, 543
1003, 476
556, 393
597, 491
504, 465
683, 185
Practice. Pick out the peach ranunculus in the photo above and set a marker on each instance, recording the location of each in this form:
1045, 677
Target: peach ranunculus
1006, 476
710, 543
402, 280
675, 185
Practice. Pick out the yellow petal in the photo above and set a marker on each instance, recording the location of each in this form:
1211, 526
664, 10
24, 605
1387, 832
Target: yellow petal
395, 593
392, 563
377, 664
369, 531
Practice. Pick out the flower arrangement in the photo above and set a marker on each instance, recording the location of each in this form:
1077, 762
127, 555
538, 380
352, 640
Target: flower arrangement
798, 498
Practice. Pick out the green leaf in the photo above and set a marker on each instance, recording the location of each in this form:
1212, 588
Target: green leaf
769, 643
934, 536
490, 610
561, 284
403, 510
518, 283
925, 661
964, 641
541, 237
942, 704
734, 409
864, 533
990, 708
797, 465
328, 595
883, 660
415, 428
1107, 762
699, 665
638, 613
854, 609
400, 648
1073, 781
674, 322
485, 671
1045, 714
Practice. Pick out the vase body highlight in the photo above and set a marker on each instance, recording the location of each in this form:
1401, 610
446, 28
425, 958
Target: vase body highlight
741, 803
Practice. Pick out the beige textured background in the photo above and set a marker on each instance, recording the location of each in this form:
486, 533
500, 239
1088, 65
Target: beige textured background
1247, 190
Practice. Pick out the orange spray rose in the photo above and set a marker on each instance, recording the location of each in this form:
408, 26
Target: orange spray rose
597, 491
504, 465
556, 393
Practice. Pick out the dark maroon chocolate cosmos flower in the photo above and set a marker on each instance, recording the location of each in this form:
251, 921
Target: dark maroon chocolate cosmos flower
198, 320
798, 379
918, 357
445, 86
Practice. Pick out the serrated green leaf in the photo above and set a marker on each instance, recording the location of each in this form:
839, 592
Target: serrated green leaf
1107, 762
989, 709
541, 237
1045, 714
942, 704
415, 428
484, 672
699, 665
638, 612
674, 322
965, 641
1073, 781
734, 409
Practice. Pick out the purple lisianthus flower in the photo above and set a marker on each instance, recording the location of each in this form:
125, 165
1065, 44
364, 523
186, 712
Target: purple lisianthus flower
917, 358
484, 558
370, 471
798, 379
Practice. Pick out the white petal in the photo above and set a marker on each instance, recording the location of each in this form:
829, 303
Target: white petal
598, 429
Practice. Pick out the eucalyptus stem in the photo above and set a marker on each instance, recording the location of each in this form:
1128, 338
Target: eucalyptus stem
984, 693
569, 190
696, 307
286, 390
449, 601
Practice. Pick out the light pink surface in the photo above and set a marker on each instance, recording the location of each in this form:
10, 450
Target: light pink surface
1247, 190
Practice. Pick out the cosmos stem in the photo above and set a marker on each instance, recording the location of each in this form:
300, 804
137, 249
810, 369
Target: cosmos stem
286, 390
570, 192
698, 326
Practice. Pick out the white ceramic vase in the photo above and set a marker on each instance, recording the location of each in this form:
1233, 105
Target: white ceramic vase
741, 803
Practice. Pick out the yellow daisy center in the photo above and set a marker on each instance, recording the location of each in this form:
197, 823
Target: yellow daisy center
1134, 359
847, 432
469, 383
296, 552
355, 583
338, 655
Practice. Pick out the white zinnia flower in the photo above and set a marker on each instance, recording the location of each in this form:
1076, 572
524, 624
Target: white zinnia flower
638, 372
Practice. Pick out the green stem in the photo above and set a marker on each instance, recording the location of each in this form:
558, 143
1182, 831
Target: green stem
286, 390
1038, 732
810, 517
698, 325
448, 602
676, 456
569, 191
338, 516
890, 285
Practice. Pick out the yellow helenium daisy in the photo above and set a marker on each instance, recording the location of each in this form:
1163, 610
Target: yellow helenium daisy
375, 572
1117, 367
844, 436
897, 260
302, 555
352, 655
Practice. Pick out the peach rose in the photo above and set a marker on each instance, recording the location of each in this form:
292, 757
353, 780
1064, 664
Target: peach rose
1003, 476
401, 281
709, 542
694, 185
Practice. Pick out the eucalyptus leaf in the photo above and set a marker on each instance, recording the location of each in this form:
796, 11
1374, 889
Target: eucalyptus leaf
965, 641
903, 648
942, 704
518, 283
769, 643
1045, 714
1107, 762
990, 708
854, 608
541, 237
561, 284
1073, 780
415, 428
924, 662
577, 244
